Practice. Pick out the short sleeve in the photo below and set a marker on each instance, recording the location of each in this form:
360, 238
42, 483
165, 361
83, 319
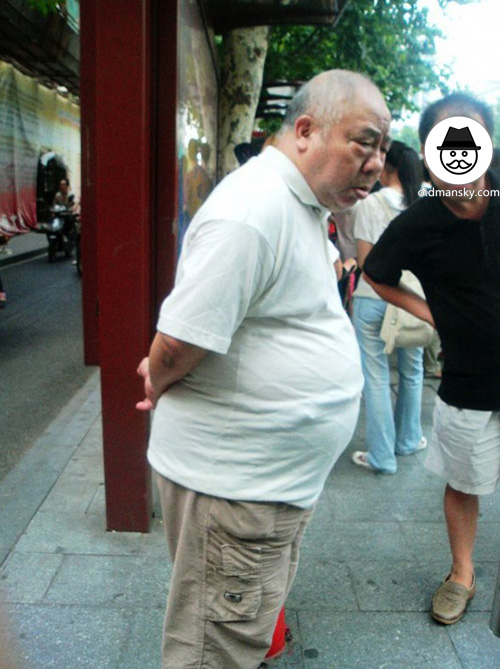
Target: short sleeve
388, 258
223, 270
369, 220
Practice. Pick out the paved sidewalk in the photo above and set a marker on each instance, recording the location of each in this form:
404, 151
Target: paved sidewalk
23, 247
78, 596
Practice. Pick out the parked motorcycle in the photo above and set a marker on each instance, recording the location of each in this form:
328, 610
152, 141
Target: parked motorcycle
61, 231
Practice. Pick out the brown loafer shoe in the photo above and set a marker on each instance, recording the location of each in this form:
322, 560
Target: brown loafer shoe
450, 601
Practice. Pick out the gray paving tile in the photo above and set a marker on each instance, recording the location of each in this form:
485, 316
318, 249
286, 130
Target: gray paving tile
341, 541
375, 641
321, 583
322, 516
92, 580
63, 531
486, 573
63, 637
487, 545
409, 586
488, 507
427, 539
476, 646
154, 544
25, 578
385, 503
392, 585
72, 493
431, 539
142, 647
25, 487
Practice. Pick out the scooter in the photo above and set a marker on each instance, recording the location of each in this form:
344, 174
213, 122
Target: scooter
61, 231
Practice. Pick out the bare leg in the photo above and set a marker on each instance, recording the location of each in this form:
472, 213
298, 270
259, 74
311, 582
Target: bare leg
461, 512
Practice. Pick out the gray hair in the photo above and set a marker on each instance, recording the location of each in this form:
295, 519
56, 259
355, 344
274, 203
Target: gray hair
326, 97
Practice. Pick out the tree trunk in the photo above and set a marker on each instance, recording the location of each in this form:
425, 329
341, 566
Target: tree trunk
245, 52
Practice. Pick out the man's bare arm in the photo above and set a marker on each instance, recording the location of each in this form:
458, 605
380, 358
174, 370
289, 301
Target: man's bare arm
169, 361
403, 297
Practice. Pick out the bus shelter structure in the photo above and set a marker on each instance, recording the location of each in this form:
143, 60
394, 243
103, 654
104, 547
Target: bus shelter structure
149, 87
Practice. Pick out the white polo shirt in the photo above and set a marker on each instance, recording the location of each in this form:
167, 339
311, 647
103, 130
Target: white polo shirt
267, 413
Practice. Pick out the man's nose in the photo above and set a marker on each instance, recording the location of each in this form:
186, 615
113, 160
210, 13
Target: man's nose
375, 163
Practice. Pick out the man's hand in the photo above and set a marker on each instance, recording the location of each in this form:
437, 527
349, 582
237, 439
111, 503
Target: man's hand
403, 297
169, 361
149, 402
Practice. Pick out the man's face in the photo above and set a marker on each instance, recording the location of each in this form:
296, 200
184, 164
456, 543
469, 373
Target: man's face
459, 193
63, 187
345, 162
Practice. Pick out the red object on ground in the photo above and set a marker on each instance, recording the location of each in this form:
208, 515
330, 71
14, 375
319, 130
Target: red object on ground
279, 637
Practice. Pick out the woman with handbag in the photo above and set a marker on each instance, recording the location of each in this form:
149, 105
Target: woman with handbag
388, 433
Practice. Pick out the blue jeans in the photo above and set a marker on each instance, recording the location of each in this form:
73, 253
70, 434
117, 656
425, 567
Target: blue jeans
387, 433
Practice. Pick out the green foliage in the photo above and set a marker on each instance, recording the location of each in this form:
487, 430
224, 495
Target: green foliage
407, 134
46, 6
389, 40
496, 132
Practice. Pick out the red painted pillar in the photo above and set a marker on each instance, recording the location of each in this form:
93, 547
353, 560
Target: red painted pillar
89, 240
166, 164
124, 194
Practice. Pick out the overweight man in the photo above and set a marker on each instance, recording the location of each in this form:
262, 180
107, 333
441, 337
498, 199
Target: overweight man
255, 374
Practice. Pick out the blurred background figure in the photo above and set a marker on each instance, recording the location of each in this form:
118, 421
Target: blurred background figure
3, 294
387, 433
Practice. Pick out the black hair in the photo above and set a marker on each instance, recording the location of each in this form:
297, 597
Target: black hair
459, 104
408, 165
495, 161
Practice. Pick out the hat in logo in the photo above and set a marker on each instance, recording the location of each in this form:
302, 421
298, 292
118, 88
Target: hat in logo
458, 138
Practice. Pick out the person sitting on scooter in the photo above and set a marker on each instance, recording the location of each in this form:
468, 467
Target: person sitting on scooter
64, 196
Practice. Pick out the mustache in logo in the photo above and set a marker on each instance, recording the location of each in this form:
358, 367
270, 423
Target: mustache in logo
458, 164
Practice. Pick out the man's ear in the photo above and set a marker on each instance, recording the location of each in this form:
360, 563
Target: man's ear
304, 127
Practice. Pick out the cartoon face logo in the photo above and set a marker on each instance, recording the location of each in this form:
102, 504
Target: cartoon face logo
458, 150
458, 153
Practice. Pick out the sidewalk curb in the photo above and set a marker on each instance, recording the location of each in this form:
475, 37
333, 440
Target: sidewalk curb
25, 487
21, 257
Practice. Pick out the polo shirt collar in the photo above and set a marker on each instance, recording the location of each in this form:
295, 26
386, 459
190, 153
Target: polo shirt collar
293, 178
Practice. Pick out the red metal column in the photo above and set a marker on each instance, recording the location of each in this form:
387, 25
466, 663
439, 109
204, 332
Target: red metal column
89, 240
166, 183
123, 204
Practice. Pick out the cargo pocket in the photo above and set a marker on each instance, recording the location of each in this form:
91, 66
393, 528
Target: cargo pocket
234, 580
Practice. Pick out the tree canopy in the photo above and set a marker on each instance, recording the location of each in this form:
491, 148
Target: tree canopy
391, 41
46, 6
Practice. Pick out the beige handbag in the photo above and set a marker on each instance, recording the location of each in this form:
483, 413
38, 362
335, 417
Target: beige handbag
401, 329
